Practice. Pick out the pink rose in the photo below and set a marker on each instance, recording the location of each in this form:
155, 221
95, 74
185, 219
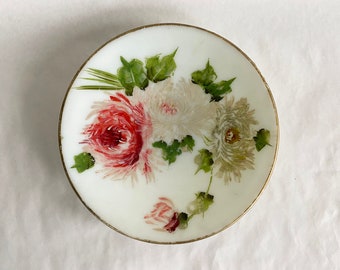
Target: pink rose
118, 137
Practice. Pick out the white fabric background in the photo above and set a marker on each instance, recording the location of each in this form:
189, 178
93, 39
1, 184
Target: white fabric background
294, 225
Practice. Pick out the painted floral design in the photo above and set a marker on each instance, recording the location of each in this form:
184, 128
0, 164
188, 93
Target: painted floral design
152, 118
119, 137
231, 143
163, 217
173, 109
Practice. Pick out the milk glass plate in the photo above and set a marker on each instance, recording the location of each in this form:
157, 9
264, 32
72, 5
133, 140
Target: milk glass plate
168, 133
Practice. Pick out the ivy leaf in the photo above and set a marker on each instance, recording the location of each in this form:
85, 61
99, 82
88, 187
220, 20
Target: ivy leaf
188, 143
216, 90
173, 151
262, 139
205, 76
160, 144
201, 203
170, 152
132, 74
83, 162
158, 69
204, 160
183, 220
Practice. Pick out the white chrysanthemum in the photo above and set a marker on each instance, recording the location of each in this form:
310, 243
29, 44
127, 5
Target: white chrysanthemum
177, 110
232, 143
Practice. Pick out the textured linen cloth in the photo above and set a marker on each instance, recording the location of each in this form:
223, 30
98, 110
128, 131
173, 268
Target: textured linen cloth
294, 224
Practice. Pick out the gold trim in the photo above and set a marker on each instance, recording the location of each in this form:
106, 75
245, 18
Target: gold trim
270, 95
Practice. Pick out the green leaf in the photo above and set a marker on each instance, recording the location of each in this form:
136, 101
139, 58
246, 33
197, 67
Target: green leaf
204, 160
205, 76
83, 162
262, 139
188, 143
170, 152
118, 84
201, 203
158, 69
160, 144
183, 220
97, 87
104, 75
132, 74
109, 80
216, 90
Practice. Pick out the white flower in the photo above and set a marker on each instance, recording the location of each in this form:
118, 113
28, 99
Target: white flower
232, 143
177, 110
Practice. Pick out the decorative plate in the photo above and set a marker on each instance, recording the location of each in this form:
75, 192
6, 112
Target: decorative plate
168, 133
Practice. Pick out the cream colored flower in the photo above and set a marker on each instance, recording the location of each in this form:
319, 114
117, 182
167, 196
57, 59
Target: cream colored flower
232, 141
177, 110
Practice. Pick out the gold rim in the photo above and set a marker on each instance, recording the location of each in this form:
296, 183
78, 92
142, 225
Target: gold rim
276, 147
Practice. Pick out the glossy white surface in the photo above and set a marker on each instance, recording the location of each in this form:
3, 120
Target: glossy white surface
294, 224
123, 205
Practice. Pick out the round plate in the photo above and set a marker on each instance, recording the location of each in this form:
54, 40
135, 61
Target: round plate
168, 133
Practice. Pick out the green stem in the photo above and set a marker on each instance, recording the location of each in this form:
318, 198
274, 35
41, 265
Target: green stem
191, 216
206, 193
211, 177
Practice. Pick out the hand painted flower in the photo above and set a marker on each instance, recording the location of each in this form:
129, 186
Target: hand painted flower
118, 137
177, 110
232, 142
163, 216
